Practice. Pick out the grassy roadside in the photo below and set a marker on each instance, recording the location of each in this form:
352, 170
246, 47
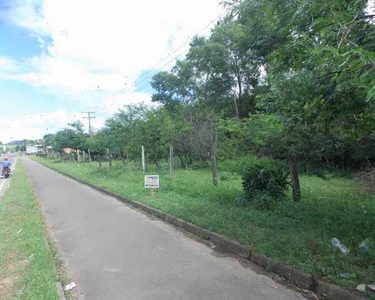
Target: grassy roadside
298, 234
26, 260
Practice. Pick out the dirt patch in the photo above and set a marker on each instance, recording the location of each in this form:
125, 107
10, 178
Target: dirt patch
14, 266
14, 207
7, 283
6, 286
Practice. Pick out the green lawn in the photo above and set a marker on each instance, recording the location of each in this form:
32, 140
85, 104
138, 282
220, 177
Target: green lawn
26, 261
295, 233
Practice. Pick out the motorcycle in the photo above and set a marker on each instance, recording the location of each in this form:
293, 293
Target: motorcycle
6, 172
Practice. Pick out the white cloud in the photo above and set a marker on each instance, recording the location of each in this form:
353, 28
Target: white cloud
105, 44
91, 49
8, 65
114, 103
36, 125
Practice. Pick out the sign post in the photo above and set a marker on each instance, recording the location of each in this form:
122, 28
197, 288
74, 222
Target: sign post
152, 182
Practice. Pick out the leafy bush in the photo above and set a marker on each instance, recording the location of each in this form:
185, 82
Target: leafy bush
265, 183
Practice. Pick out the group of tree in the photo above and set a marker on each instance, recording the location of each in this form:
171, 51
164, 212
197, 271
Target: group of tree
289, 79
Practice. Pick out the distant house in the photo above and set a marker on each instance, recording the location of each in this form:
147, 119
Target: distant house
34, 149
69, 150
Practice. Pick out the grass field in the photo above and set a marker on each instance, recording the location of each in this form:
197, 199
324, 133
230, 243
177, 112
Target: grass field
298, 234
26, 261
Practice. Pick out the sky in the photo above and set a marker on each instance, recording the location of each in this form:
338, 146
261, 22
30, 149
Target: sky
59, 58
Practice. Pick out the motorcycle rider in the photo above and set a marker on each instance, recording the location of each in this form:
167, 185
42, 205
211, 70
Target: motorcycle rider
6, 166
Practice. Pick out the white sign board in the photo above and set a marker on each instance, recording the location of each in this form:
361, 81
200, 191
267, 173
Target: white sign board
152, 182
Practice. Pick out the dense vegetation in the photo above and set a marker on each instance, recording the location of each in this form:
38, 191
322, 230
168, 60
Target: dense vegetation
288, 79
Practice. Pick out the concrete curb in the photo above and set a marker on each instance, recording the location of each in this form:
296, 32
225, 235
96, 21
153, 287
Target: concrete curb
60, 291
230, 245
296, 277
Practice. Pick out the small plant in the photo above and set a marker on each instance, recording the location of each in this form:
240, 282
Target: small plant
199, 165
264, 183
225, 176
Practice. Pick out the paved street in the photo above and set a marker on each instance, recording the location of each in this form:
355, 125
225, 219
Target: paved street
115, 252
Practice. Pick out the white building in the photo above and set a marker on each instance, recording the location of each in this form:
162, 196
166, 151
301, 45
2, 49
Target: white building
34, 149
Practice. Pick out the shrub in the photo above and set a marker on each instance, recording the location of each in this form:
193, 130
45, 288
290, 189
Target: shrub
225, 176
264, 183
199, 165
368, 178
238, 165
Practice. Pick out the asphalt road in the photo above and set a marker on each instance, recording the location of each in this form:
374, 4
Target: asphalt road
114, 252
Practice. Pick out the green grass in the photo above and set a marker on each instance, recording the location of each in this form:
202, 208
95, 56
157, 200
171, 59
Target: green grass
298, 234
26, 260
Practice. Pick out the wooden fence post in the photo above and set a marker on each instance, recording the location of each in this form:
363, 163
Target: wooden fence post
109, 158
143, 159
171, 161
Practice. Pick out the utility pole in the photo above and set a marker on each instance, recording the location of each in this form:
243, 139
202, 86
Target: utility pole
89, 117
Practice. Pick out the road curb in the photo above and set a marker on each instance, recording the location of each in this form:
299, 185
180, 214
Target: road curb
331, 291
60, 291
230, 245
296, 277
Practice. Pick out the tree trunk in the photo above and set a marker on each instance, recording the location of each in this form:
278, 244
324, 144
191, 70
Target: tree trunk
213, 156
295, 179
171, 161
181, 161
109, 158
122, 156
237, 102
99, 161
78, 156
88, 151
236, 108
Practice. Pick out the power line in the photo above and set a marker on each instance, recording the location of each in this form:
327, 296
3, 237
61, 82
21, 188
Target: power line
148, 75
166, 64
89, 117
179, 48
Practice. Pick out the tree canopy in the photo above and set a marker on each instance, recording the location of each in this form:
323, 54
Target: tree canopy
275, 78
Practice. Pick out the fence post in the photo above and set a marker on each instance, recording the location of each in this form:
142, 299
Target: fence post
143, 159
109, 158
171, 161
